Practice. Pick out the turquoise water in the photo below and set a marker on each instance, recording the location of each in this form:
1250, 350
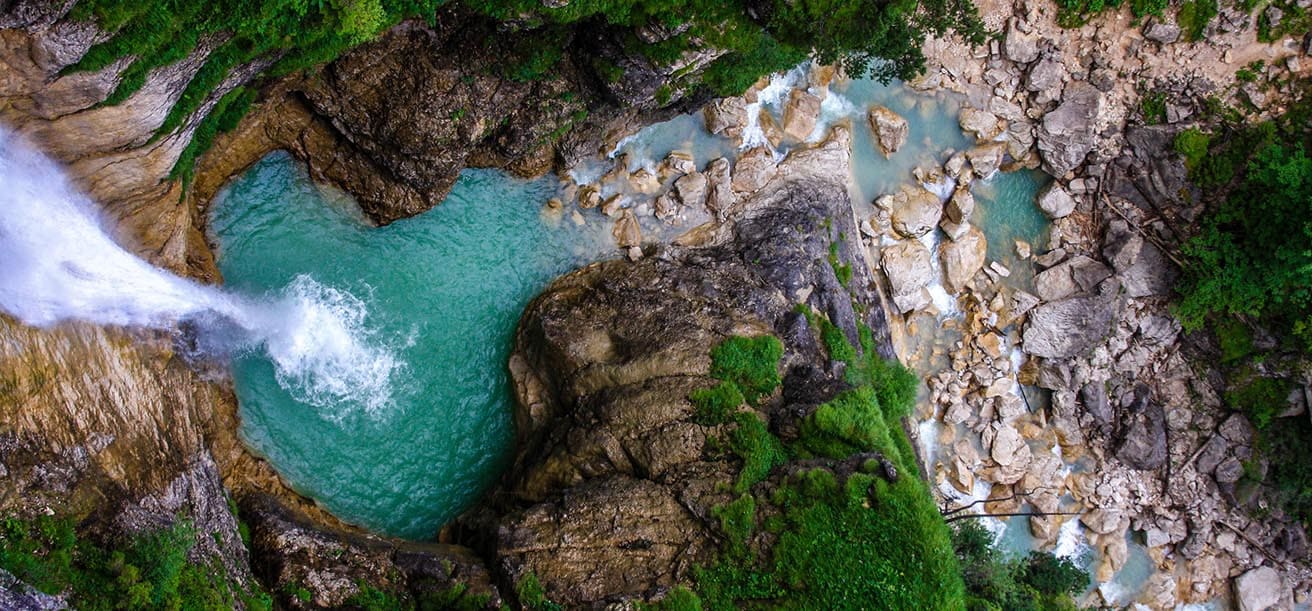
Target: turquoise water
1006, 210
440, 293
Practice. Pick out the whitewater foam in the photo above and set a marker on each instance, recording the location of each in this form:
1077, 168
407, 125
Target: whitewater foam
58, 263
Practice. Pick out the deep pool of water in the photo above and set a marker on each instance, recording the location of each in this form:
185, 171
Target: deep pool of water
439, 293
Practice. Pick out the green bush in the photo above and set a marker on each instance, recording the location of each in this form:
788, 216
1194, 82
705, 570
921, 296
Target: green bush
150, 571
1038, 582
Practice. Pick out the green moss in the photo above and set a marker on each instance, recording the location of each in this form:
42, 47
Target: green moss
760, 450
1260, 398
716, 404
680, 598
737, 519
1192, 145
752, 363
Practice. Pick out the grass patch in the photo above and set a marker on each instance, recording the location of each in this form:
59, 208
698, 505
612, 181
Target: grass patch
842, 270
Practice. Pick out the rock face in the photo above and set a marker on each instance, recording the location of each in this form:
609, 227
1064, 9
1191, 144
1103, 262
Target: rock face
1067, 134
890, 129
609, 498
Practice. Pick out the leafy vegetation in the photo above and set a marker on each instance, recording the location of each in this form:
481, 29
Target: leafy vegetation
840, 540
151, 571
1249, 270
865, 36
1038, 582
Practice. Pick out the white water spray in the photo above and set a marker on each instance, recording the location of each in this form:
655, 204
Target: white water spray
58, 263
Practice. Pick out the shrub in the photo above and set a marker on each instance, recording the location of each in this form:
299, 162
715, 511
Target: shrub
1153, 107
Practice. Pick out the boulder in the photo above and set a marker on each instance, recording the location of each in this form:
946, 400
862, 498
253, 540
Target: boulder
915, 211
691, 189
666, 207
1070, 327
890, 129
612, 205
1143, 433
1142, 267
1077, 275
678, 163
1258, 589
909, 269
1160, 31
626, 232
1066, 134
754, 168
1102, 521
726, 116
800, 115
1020, 47
960, 206
981, 124
961, 258
1093, 397
1046, 75
987, 158
1055, 201
719, 198
645, 182
589, 197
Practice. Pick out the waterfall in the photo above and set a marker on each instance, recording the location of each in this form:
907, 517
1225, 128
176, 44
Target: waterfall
58, 263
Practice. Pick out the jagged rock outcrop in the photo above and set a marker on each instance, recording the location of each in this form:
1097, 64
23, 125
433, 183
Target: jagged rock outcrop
610, 495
